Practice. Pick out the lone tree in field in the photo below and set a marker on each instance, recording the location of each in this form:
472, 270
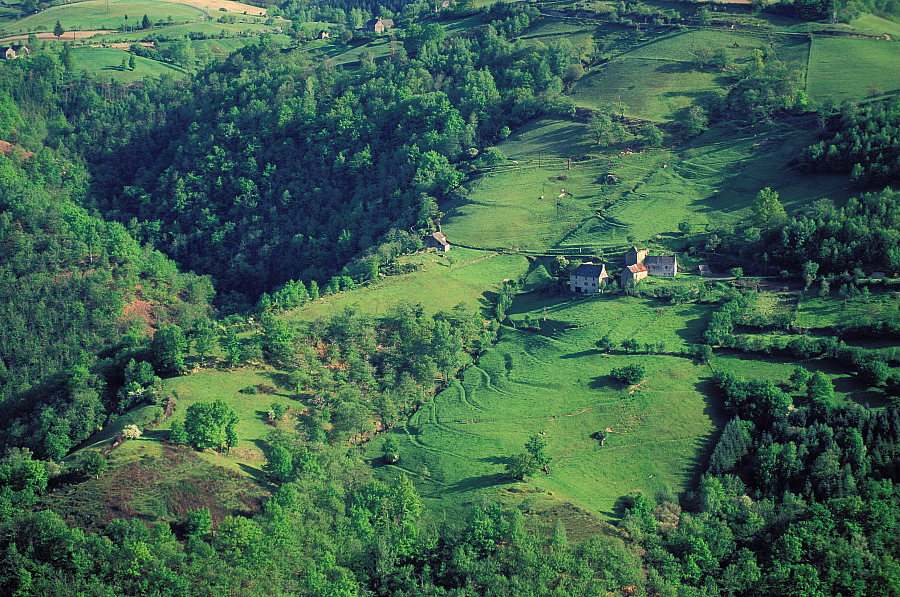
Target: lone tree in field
58, 30
767, 210
390, 449
211, 425
534, 457
521, 466
629, 374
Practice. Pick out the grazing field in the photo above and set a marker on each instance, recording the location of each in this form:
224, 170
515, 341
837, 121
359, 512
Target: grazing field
93, 14
442, 282
874, 68
669, 328
847, 387
208, 385
872, 25
107, 62
458, 444
833, 312
655, 76
710, 183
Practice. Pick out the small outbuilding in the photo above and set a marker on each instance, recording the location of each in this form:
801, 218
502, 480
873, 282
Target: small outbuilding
588, 277
632, 274
323, 34
437, 241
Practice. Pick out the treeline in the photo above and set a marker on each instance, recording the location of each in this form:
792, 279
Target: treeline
799, 498
866, 145
330, 530
862, 234
839, 245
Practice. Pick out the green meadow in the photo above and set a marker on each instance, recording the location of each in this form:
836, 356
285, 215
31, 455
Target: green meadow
441, 282
655, 76
107, 62
95, 14
831, 311
711, 182
874, 68
558, 384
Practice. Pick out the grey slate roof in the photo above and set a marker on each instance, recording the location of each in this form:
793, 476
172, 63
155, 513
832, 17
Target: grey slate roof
659, 260
590, 270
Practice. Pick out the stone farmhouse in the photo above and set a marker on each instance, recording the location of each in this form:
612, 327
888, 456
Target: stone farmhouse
13, 51
379, 25
588, 277
639, 264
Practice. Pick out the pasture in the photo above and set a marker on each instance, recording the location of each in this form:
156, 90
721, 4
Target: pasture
710, 182
874, 68
94, 15
833, 312
207, 385
558, 384
654, 76
107, 63
441, 282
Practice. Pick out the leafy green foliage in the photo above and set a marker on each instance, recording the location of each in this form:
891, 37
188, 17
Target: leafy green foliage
210, 425
522, 465
629, 374
767, 210
168, 349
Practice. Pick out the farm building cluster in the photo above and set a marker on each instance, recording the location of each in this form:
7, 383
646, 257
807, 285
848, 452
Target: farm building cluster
591, 277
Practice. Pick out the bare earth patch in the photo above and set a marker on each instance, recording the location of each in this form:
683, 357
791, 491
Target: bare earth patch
142, 310
212, 6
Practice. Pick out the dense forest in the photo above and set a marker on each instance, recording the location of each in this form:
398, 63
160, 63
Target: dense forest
266, 177
206, 171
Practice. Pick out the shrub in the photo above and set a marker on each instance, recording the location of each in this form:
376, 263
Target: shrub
131, 432
629, 374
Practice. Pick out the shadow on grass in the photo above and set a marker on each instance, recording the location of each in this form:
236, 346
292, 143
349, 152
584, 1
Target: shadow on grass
591, 352
715, 410
474, 483
257, 475
279, 380
602, 382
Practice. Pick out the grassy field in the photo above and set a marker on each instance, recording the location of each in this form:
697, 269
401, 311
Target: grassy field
93, 14
107, 62
654, 76
832, 311
711, 182
442, 282
874, 65
208, 385
558, 384
872, 25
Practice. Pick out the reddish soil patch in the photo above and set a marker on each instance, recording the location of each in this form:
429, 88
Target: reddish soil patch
7, 149
142, 310
180, 495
